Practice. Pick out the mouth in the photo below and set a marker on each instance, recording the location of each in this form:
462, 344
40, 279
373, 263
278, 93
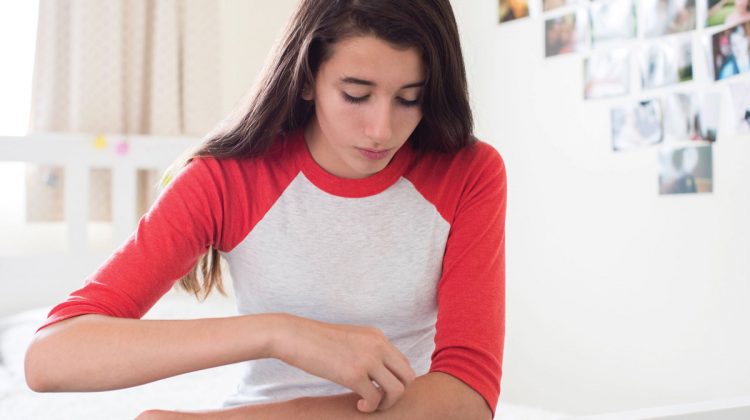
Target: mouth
373, 154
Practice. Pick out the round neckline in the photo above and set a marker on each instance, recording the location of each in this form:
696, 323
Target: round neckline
347, 187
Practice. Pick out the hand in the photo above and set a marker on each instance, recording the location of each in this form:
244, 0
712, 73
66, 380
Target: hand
351, 356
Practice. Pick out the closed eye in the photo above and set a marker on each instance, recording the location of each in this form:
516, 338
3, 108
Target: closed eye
355, 99
408, 103
361, 99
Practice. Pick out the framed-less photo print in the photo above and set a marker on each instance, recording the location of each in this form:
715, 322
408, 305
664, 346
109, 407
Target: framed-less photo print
612, 20
509, 10
686, 170
666, 61
637, 125
664, 17
731, 51
727, 12
568, 33
548, 5
691, 116
606, 74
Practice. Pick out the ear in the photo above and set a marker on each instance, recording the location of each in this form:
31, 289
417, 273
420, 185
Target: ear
307, 93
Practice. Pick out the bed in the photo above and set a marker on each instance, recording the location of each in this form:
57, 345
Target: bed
193, 391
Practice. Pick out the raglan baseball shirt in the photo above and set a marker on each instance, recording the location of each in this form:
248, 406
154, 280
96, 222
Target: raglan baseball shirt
416, 250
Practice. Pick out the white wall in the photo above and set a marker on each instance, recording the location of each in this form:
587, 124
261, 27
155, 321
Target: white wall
617, 298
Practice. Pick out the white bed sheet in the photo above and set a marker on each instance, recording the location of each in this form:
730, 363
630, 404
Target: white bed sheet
193, 391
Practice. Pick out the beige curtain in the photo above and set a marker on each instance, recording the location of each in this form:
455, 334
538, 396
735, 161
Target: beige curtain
120, 66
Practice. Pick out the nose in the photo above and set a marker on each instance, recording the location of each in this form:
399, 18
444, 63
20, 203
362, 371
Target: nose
379, 122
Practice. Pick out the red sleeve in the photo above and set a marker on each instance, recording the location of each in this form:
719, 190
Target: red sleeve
182, 224
470, 326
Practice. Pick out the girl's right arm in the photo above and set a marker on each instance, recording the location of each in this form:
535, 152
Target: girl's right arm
97, 352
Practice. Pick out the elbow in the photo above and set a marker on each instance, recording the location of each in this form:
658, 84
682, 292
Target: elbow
462, 401
33, 367
43, 368
51, 362
475, 409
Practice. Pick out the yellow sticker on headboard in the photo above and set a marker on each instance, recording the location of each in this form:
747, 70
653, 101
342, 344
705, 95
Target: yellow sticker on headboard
100, 142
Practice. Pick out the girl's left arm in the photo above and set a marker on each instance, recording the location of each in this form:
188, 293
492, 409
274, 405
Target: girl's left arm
432, 396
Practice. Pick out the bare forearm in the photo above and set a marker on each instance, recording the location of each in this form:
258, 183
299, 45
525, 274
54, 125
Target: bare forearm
94, 352
431, 396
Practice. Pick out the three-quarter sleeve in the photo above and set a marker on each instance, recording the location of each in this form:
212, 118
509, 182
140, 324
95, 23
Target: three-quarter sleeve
182, 225
470, 325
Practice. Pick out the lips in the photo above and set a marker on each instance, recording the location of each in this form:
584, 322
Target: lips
373, 154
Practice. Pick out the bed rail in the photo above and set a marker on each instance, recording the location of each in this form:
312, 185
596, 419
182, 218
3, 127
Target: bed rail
42, 278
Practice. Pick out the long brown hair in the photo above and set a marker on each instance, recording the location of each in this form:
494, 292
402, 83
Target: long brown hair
276, 107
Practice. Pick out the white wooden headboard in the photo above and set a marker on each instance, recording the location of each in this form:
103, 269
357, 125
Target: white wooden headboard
35, 279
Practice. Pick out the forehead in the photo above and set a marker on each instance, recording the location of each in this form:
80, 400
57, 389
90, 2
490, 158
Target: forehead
373, 59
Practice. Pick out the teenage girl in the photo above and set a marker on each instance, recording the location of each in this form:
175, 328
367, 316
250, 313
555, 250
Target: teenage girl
362, 224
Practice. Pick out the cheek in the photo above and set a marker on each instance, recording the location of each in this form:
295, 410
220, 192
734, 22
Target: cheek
409, 119
338, 114
347, 117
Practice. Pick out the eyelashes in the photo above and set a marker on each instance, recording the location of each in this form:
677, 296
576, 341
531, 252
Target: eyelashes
362, 99
353, 99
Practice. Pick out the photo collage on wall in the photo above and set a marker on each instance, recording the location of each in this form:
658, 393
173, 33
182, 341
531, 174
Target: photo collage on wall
655, 38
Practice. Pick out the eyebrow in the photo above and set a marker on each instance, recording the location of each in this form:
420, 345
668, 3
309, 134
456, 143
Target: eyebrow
356, 81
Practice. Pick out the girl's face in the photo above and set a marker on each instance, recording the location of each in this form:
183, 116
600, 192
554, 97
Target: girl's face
367, 104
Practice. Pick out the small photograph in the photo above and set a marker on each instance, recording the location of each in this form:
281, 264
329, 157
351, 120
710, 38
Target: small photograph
606, 74
612, 20
664, 17
727, 12
741, 105
691, 117
637, 126
666, 62
513, 9
686, 170
567, 33
730, 50
548, 5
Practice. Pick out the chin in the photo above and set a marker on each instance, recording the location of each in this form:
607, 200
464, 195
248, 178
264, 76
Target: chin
369, 170
365, 173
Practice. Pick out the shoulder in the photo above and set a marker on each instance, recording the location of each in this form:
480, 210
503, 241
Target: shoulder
481, 168
450, 180
477, 159
481, 156
281, 157
230, 182
235, 191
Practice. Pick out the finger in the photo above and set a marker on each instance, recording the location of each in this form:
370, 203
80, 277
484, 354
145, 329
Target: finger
370, 394
390, 385
397, 363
